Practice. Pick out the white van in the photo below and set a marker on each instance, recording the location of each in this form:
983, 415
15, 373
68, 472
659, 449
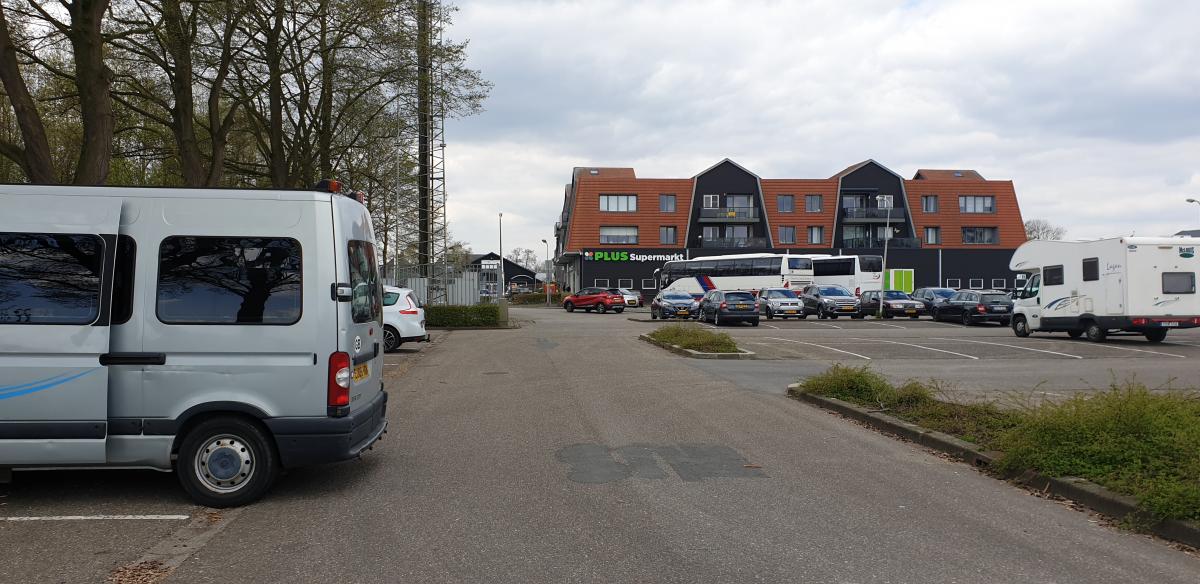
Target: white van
1143, 285
222, 334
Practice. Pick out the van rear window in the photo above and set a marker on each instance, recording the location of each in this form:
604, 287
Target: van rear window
366, 297
50, 278
229, 280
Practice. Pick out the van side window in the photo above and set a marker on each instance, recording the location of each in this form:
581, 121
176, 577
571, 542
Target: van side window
366, 298
1052, 276
122, 297
1091, 269
229, 280
1179, 282
50, 278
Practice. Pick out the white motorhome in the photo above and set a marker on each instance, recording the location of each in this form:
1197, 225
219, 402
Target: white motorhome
224, 334
1143, 285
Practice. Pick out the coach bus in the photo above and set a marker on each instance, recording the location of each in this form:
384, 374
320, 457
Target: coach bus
752, 271
858, 273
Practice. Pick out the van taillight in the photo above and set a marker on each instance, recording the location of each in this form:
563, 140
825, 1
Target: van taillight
1141, 321
339, 380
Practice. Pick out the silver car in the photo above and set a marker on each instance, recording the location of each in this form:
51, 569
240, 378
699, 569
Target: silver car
781, 302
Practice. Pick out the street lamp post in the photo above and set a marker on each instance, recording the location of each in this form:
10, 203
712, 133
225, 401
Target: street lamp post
546, 282
887, 232
1194, 201
501, 285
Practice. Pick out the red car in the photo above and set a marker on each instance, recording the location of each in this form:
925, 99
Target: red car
591, 299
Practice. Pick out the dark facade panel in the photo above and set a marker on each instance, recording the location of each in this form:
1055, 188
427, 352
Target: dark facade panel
725, 178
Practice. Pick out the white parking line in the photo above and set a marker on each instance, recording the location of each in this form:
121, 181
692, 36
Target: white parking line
770, 326
884, 324
918, 346
97, 517
825, 324
1009, 346
821, 346
1131, 349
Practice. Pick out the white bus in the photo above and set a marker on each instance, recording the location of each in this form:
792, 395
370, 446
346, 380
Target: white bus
751, 271
857, 273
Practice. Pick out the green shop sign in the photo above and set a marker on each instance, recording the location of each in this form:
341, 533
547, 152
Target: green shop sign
630, 256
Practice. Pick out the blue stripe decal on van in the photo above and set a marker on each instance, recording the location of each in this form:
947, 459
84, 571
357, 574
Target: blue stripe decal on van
57, 380
4, 388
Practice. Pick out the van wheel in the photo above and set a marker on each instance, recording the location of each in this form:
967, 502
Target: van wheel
1156, 335
227, 462
1075, 334
1095, 333
391, 339
569, 306
1020, 326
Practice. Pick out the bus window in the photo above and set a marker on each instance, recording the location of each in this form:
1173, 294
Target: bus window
870, 263
766, 267
834, 267
799, 264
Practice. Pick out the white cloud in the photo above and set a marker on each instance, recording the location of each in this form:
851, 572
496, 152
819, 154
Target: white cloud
1089, 107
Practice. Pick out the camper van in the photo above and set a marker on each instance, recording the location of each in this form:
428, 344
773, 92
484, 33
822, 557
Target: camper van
221, 334
1142, 285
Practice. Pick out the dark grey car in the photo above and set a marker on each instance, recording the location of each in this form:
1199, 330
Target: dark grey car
827, 301
720, 307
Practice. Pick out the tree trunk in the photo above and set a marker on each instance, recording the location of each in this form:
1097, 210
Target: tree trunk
34, 157
93, 79
325, 114
178, 43
274, 57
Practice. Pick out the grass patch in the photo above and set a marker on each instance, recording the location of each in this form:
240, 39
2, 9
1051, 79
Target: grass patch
1127, 438
696, 338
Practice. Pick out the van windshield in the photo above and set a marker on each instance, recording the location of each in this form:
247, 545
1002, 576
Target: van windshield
366, 297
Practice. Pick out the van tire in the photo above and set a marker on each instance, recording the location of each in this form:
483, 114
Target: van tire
241, 438
1095, 333
1156, 335
569, 307
1020, 326
391, 339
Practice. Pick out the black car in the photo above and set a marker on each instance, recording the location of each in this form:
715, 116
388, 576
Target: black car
932, 296
972, 306
720, 307
827, 301
895, 303
673, 304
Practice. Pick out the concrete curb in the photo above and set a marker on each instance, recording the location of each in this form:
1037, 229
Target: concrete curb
1080, 490
744, 354
662, 320
473, 328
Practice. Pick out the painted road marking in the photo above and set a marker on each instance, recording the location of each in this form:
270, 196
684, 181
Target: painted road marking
770, 326
1009, 346
98, 518
884, 324
821, 346
1128, 349
919, 347
824, 324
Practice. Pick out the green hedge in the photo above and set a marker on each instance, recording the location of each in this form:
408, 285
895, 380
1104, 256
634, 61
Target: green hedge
535, 298
455, 316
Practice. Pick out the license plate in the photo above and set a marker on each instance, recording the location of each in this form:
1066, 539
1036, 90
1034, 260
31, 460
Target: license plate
681, 313
847, 309
790, 311
910, 311
743, 306
361, 372
1168, 323
999, 309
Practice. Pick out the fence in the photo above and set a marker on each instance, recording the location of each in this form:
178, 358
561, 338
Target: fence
445, 284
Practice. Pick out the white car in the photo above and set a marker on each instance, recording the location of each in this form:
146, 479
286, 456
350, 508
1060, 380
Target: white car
403, 318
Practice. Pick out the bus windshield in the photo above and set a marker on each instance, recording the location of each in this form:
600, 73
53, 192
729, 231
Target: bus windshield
870, 263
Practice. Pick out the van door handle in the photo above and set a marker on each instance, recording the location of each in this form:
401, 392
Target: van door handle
133, 359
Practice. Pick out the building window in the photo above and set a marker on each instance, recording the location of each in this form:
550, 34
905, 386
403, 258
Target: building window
933, 235
601, 283
666, 203
787, 203
625, 283
929, 203
999, 283
711, 232
976, 283
648, 284
50, 278
976, 204
1052, 276
666, 234
980, 235
712, 201
953, 283
618, 203
787, 234
250, 280
619, 235
816, 234
812, 203
1091, 269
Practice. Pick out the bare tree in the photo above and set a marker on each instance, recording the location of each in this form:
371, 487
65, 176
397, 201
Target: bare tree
524, 257
1043, 229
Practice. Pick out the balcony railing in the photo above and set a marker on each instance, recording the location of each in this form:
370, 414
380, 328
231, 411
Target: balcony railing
735, 242
872, 213
729, 214
877, 243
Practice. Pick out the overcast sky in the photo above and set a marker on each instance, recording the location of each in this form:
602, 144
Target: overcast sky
1091, 108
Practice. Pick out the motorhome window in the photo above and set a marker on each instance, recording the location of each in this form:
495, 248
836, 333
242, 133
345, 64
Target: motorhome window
366, 297
50, 278
390, 298
870, 263
1179, 282
229, 280
1091, 269
122, 298
800, 264
1032, 287
838, 267
1052, 275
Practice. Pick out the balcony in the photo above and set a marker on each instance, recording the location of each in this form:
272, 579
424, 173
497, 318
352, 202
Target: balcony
729, 215
871, 214
877, 243
735, 242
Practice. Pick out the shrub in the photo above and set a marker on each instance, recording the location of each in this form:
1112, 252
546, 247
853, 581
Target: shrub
1128, 439
535, 298
696, 338
456, 316
857, 385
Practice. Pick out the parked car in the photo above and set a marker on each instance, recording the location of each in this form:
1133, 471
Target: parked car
781, 302
632, 299
895, 303
598, 299
674, 304
828, 301
720, 307
403, 318
932, 296
972, 306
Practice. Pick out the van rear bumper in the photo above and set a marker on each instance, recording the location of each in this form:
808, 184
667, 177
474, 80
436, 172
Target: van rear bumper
306, 441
